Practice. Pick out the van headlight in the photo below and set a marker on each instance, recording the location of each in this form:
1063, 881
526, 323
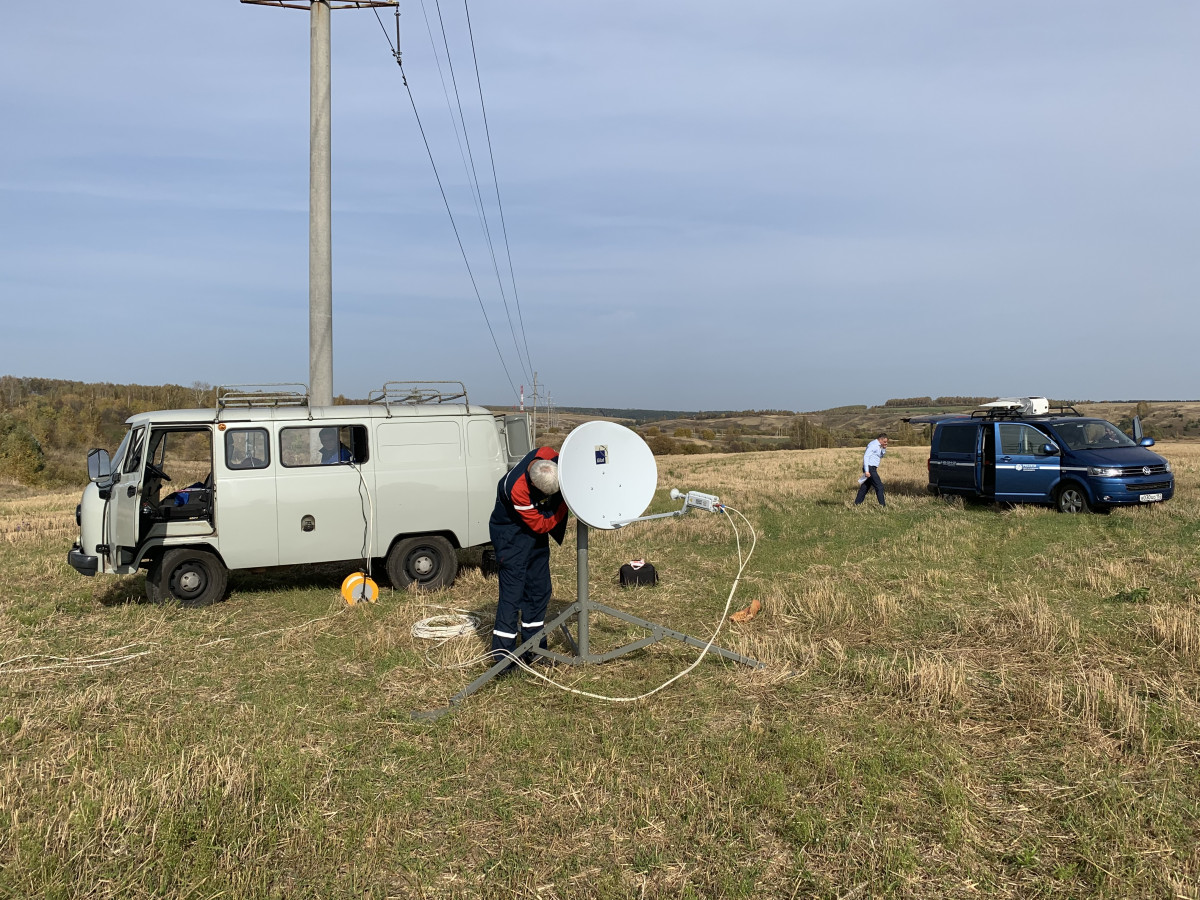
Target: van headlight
1104, 471
1167, 464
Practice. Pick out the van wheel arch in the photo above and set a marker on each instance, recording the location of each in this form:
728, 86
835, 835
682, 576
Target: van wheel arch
426, 561
191, 576
1071, 497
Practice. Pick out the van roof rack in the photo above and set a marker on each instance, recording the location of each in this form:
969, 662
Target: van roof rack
414, 393
243, 396
1004, 412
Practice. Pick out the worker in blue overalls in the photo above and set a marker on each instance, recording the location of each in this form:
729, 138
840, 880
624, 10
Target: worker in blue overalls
529, 511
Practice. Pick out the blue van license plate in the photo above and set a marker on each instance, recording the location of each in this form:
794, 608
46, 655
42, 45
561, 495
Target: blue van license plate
1149, 498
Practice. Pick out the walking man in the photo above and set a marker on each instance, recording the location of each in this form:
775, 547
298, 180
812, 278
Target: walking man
529, 511
871, 460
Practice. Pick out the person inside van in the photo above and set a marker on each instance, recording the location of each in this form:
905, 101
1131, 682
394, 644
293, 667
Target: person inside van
333, 451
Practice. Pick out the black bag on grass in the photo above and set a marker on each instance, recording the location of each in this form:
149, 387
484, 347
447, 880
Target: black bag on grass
638, 572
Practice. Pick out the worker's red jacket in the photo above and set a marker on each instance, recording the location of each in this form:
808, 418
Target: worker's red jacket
524, 505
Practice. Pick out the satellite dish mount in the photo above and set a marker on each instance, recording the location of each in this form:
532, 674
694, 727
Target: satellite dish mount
608, 477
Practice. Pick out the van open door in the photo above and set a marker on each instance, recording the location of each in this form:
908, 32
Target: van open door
124, 506
518, 437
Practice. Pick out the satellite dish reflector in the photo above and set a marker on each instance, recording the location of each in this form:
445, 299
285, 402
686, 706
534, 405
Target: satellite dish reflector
606, 473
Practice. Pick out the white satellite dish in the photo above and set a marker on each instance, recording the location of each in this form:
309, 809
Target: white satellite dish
606, 473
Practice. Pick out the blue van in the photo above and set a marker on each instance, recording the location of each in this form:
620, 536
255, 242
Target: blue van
1022, 453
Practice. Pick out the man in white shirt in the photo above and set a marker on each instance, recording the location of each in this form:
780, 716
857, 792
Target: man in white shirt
870, 477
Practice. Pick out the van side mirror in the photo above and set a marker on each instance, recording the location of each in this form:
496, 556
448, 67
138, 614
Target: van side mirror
1049, 450
99, 465
1146, 442
1137, 429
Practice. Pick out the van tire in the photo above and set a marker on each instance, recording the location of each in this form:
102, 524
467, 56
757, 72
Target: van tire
428, 562
1071, 498
193, 578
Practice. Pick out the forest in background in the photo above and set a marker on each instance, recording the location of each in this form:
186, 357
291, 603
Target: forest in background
47, 425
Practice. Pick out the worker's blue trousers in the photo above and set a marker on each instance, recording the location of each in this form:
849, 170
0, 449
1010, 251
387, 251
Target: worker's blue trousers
524, 561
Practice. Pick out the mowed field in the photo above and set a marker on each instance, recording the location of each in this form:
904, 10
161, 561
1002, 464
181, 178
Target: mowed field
958, 701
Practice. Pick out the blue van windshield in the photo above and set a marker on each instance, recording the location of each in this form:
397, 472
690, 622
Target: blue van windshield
1092, 434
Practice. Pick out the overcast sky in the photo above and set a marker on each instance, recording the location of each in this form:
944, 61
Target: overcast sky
787, 205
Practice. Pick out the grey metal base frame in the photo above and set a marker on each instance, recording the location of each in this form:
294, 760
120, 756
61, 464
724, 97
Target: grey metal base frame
581, 653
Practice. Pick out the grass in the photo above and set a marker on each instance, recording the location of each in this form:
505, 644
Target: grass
959, 700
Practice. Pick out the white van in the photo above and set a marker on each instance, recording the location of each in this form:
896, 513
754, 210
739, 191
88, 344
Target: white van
266, 480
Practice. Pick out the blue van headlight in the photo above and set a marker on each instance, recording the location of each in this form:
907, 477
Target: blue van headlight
1104, 471
1167, 464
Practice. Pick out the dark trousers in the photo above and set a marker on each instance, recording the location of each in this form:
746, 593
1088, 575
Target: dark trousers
866, 486
524, 573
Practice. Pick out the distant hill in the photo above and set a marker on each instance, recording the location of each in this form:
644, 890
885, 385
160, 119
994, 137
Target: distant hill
47, 425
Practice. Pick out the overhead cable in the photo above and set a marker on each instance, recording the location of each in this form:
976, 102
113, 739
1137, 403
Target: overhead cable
469, 165
496, 181
446, 202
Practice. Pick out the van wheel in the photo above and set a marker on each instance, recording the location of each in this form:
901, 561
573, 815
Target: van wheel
191, 577
488, 563
1072, 499
428, 562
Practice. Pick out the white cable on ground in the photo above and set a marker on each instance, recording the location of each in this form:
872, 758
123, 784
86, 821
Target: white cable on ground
93, 661
724, 615
110, 657
444, 627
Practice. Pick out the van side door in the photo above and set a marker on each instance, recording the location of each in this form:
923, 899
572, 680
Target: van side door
324, 486
1024, 472
247, 523
957, 458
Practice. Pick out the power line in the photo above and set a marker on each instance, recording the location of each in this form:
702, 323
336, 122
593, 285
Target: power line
496, 181
446, 201
469, 166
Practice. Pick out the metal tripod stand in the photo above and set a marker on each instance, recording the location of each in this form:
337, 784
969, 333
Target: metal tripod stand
581, 653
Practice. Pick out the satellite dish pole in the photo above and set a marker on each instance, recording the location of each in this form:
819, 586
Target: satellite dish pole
320, 204
608, 477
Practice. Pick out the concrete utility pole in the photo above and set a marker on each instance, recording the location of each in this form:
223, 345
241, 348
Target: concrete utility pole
320, 203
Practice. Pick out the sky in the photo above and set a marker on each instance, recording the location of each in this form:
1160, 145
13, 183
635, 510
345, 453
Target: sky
762, 205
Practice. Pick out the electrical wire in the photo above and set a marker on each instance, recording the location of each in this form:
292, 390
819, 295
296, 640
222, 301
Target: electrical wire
92, 661
449, 211
496, 182
447, 627
742, 563
368, 511
444, 627
469, 157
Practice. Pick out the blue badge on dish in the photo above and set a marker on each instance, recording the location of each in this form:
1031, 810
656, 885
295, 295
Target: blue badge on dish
601, 455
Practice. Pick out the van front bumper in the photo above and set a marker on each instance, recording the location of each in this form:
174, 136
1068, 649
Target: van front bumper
1131, 493
82, 563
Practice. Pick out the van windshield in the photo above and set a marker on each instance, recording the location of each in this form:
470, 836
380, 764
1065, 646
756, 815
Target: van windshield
1092, 434
119, 456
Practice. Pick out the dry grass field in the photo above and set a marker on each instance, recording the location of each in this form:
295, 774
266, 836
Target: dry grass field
959, 700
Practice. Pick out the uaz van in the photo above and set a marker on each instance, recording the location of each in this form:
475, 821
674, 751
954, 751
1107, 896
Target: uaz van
1022, 451
265, 479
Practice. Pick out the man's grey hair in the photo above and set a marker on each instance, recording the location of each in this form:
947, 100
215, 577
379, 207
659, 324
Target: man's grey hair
544, 475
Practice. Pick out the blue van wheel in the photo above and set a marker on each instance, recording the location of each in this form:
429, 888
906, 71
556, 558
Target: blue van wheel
1071, 499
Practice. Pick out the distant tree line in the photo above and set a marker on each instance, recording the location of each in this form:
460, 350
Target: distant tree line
908, 402
47, 424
